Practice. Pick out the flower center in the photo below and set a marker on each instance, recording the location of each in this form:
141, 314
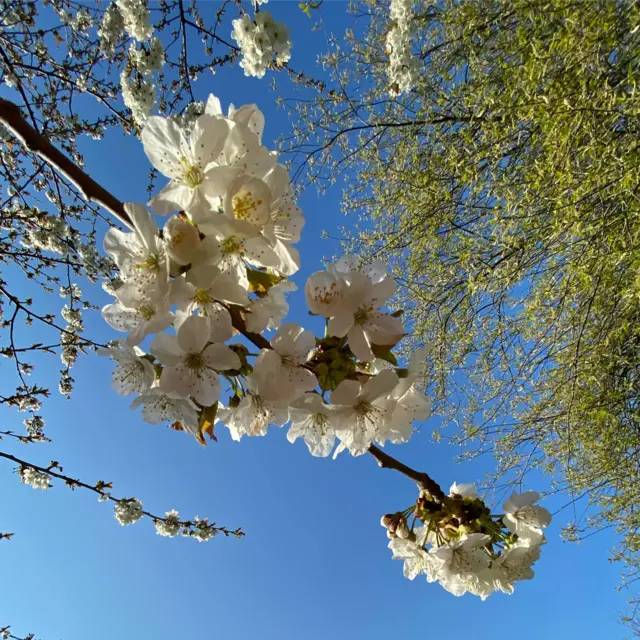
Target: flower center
244, 205
320, 422
360, 316
202, 297
193, 174
231, 245
150, 264
146, 311
195, 361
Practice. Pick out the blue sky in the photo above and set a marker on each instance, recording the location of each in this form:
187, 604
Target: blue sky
314, 562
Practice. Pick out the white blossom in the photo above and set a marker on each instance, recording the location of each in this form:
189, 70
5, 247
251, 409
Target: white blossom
191, 362
136, 18
139, 96
280, 371
128, 511
181, 238
110, 30
190, 164
133, 373
525, 518
412, 551
315, 422
148, 59
158, 407
363, 410
253, 415
270, 310
261, 41
34, 478
464, 490
514, 564
170, 526
404, 67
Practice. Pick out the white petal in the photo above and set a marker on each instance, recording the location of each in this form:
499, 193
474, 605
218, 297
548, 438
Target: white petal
164, 144
359, 344
220, 356
346, 393
193, 334
379, 386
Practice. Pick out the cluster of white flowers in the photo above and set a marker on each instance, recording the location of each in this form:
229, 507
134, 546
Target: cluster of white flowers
464, 548
34, 425
261, 41
110, 30
231, 245
404, 67
149, 58
138, 95
170, 526
135, 16
128, 511
34, 478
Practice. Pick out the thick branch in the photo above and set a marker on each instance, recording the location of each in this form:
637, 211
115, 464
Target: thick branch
10, 115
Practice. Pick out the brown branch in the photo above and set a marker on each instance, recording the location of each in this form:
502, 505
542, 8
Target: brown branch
423, 480
35, 142
10, 115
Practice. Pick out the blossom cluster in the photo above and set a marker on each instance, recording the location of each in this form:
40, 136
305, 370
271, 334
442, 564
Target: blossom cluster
458, 543
403, 67
261, 41
226, 248
34, 478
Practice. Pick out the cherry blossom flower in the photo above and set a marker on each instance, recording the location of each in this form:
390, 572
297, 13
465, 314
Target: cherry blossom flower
190, 164
269, 311
140, 255
254, 413
138, 313
159, 407
363, 410
463, 490
203, 289
461, 561
280, 371
182, 239
314, 421
359, 318
249, 115
514, 564
416, 559
233, 244
411, 402
325, 293
128, 511
525, 518
133, 373
191, 364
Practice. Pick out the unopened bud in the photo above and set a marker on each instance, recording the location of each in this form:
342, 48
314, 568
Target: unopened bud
402, 530
387, 519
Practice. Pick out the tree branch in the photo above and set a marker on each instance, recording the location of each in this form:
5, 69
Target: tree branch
101, 489
12, 118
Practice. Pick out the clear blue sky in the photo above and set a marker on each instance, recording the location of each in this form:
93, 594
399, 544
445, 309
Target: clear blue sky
314, 562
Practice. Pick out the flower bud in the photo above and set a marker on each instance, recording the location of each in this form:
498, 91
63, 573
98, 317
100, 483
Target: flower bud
402, 530
387, 519
182, 239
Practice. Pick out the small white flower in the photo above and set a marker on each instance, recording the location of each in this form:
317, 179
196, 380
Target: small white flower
140, 255
416, 559
128, 511
514, 564
34, 478
464, 490
158, 407
191, 363
181, 238
314, 421
461, 561
525, 518
137, 313
269, 311
190, 164
280, 371
254, 414
170, 526
133, 373
363, 410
